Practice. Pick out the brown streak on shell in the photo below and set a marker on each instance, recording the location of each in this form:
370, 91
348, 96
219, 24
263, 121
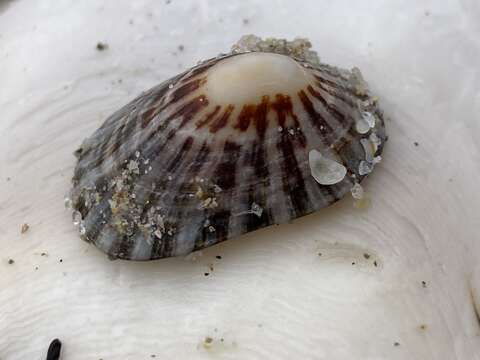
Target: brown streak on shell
222, 120
209, 117
324, 129
186, 89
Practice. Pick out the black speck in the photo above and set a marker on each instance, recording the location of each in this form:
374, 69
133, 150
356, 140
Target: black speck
206, 274
424, 284
375, 263
218, 257
102, 46
8, 179
396, 343
153, 355
222, 339
168, 2
366, 256
36, 267
181, 47
61, 260
319, 254
43, 254
353, 263
416, 143
11, 261
246, 21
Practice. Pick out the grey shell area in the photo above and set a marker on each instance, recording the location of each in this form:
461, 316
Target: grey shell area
154, 189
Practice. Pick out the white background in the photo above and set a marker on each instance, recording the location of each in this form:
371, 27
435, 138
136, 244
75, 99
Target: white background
271, 296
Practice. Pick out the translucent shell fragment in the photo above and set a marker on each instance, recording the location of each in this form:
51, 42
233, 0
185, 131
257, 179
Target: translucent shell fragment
256, 137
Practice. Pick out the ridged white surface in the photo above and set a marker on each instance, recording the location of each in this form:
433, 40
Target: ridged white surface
271, 296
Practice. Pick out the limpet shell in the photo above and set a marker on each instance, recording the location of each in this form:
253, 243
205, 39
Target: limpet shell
259, 136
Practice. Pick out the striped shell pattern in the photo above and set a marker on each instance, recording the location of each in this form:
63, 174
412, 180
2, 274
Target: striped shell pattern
240, 142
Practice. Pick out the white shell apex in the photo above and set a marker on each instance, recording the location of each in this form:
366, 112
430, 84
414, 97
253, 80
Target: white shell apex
324, 170
246, 78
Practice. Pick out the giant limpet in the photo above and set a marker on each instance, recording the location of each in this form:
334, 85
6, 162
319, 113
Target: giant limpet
256, 137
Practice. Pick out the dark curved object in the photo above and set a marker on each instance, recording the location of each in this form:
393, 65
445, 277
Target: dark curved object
54, 349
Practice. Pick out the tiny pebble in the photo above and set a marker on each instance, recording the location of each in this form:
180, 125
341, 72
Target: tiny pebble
24, 228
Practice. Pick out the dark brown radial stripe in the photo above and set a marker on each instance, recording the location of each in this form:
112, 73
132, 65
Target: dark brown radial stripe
330, 108
107, 148
148, 116
284, 108
336, 85
181, 199
186, 112
246, 114
208, 117
185, 205
225, 173
178, 202
176, 161
259, 183
224, 176
185, 90
292, 178
222, 121
261, 120
315, 118
200, 159
156, 98
337, 95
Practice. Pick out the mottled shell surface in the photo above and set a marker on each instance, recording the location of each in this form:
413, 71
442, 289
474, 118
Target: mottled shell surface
235, 144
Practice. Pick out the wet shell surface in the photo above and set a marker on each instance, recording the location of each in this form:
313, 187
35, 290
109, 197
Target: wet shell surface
259, 136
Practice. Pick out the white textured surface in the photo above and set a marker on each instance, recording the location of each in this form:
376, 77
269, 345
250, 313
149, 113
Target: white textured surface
271, 296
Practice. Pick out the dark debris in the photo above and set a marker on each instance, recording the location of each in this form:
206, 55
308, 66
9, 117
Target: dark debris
54, 350
102, 46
